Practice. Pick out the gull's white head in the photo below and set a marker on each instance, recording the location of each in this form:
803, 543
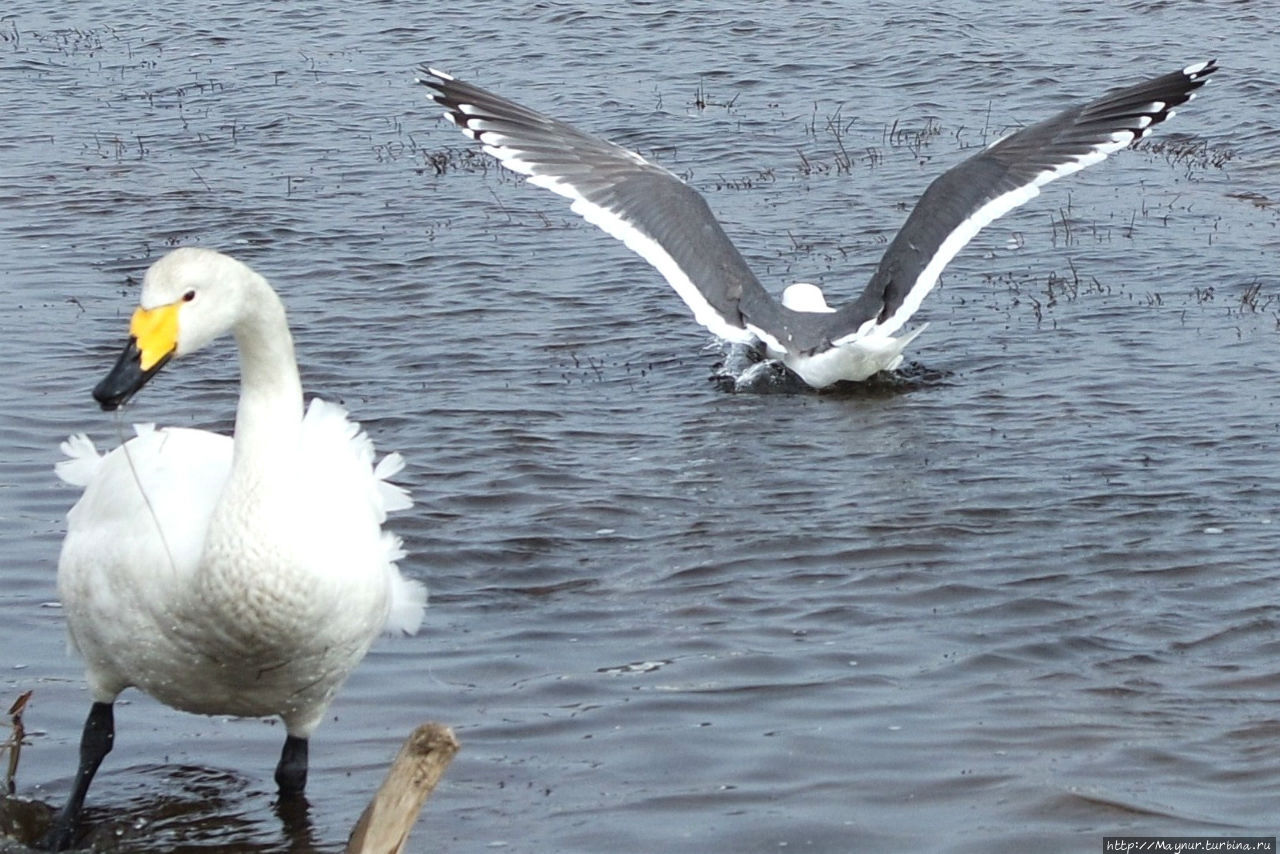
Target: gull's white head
803, 296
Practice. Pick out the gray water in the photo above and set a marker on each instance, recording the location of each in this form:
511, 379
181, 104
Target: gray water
1022, 605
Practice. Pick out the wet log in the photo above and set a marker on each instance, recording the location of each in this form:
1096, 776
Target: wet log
384, 826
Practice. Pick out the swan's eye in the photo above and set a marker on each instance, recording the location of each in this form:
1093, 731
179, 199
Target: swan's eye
188, 296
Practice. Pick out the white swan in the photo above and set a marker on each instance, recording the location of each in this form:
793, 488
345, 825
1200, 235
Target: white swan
234, 576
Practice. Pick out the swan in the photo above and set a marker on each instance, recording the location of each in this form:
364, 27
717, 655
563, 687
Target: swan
669, 224
241, 575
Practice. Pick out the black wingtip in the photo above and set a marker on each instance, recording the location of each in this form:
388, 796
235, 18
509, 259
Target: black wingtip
1198, 72
432, 77
436, 82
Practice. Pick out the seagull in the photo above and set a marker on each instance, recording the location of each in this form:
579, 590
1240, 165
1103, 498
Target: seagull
670, 225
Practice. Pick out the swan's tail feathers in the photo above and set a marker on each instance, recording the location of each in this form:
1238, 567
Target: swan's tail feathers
393, 497
82, 460
407, 603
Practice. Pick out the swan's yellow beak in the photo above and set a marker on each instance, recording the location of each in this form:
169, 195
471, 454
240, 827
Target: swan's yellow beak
153, 338
156, 331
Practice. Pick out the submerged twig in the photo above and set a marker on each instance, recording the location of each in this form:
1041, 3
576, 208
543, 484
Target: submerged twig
17, 737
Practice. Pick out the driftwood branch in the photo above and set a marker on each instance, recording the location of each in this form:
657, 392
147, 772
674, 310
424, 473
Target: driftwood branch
384, 826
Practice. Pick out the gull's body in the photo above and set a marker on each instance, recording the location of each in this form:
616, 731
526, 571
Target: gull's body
235, 575
669, 224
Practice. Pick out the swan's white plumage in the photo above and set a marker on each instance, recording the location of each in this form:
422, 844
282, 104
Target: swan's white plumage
244, 577
82, 460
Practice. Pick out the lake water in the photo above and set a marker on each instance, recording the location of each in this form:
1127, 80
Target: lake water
1026, 603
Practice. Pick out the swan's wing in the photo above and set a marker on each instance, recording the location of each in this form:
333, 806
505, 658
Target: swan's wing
339, 455
146, 508
134, 539
653, 212
1006, 174
82, 458
81, 463
353, 497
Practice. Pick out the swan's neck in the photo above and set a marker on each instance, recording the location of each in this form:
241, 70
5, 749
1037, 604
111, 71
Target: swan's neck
269, 417
248, 565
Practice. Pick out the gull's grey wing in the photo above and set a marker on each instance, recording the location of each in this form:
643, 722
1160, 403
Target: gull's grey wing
653, 212
998, 179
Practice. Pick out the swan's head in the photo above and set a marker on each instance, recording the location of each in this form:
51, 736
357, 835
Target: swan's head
803, 296
189, 297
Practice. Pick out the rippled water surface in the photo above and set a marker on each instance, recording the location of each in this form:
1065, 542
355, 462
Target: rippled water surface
1028, 603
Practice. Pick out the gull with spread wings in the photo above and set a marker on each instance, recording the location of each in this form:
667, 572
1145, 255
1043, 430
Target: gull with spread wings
669, 224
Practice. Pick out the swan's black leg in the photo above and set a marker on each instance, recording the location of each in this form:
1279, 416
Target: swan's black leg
95, 743
291, 773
